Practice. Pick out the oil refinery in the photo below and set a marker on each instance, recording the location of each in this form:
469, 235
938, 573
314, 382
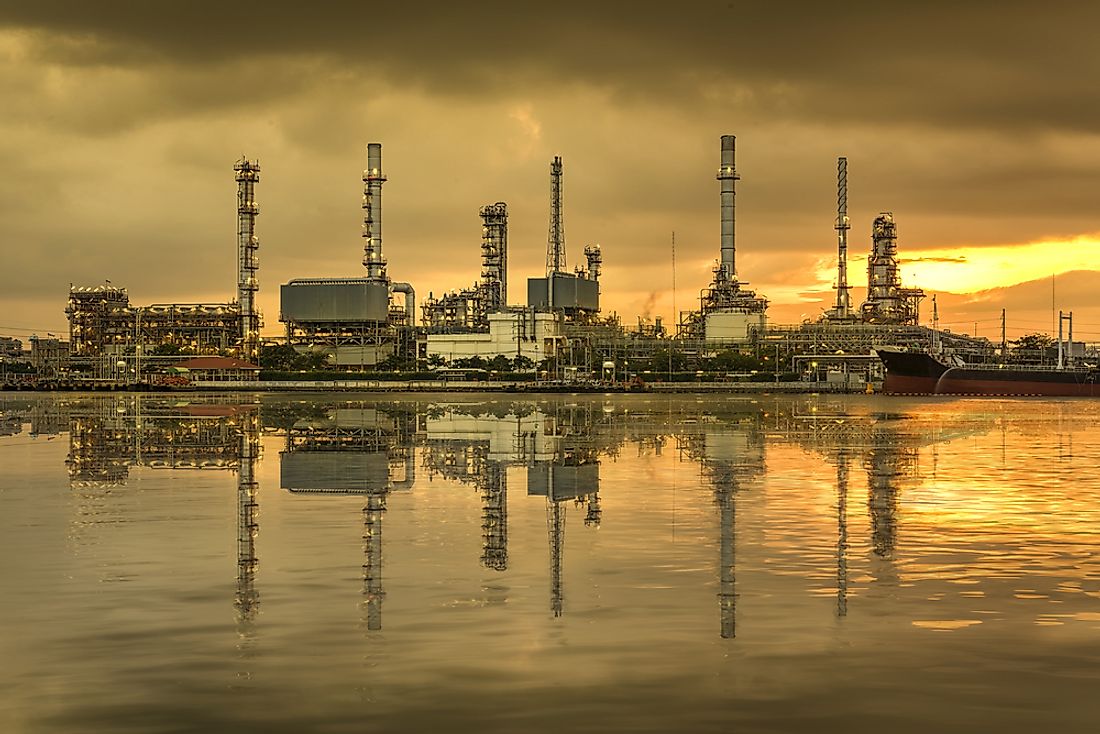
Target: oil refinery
369, 322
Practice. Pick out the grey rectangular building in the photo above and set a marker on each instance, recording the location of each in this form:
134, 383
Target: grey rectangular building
334, 300
564, 290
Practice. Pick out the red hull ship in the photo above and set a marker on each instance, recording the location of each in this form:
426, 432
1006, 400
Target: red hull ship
916, 373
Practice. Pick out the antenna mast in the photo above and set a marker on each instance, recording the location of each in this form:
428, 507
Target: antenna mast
843, 303
555, 240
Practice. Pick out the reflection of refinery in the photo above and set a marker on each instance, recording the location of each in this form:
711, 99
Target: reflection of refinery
560, 455
731, 454
109, 437
354, 450
373, 449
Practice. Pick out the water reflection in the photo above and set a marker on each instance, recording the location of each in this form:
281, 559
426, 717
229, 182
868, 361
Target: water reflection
730, 449
373, 448
248, 599
756, 560
111, 436
354, 450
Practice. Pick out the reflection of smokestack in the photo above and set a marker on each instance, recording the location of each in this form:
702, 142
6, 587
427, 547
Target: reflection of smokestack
373, 178
727, 175
727, 575
555, 526
372, 562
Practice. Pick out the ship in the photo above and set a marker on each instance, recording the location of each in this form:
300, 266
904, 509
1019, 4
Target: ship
919, 373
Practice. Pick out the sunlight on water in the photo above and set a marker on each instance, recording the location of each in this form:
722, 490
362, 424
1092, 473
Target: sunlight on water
607, 563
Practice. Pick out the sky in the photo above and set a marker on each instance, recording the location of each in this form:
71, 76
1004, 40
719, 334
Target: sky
976, 124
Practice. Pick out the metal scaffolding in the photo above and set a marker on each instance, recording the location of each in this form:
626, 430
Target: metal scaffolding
842, 311
555, 238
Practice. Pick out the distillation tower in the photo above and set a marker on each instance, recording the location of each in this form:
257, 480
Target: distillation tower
469, 309
247, 174
887, 301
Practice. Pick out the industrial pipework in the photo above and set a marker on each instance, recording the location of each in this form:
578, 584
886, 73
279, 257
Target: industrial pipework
247, 174
410, 300
727, 176
373, 178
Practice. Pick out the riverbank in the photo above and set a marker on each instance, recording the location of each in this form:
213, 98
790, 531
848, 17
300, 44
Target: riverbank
415, 386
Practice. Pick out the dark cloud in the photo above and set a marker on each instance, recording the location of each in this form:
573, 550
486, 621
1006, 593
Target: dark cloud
974, 124
933, 62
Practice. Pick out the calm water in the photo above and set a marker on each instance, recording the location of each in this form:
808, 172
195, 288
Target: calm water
462, 563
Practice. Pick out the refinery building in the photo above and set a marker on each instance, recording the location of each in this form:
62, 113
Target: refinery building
368, 321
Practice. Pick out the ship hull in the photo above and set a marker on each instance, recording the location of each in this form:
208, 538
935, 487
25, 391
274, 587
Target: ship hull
994, 381
909, 373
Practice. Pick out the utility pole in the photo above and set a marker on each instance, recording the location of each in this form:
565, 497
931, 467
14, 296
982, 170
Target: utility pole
1060, 342
1004, 339
935, 325
675, 316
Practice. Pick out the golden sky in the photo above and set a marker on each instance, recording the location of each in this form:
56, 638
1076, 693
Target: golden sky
122, 121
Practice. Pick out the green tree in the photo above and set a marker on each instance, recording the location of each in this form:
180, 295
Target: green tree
310, 361
1033, 342
732, 360
277, 356
663, 358
167, 350
500, 363
476, 363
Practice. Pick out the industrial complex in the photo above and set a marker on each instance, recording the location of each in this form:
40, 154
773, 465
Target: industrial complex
371, 323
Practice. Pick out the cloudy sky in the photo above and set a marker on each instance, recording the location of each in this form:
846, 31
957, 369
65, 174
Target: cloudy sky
977, 124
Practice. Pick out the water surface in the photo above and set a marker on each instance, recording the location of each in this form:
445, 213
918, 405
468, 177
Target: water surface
578, 563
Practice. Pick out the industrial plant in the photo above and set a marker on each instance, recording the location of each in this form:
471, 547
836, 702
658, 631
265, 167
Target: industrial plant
349, 321
369, 322
112, 339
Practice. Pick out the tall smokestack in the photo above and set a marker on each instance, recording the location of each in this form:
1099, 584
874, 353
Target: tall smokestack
247, 174
727, 175
373, 178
